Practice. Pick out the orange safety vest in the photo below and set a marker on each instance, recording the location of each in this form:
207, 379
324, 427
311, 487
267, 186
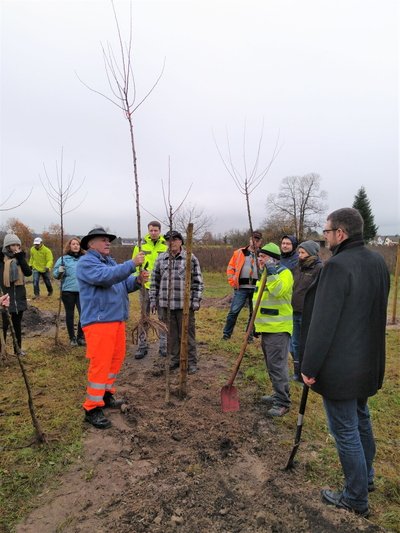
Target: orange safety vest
235, 267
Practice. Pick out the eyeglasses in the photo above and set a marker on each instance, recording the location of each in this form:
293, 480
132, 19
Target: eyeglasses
326, 231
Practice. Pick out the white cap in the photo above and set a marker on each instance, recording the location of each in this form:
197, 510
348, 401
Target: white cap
38, 240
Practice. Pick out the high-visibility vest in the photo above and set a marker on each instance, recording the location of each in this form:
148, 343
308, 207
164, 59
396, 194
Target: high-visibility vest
151, 250
275, 314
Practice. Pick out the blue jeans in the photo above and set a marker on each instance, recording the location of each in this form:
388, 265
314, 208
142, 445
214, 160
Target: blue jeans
46, 279
350, 424
296, 336
240, 297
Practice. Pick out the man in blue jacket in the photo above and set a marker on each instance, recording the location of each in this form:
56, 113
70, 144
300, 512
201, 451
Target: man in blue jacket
104, 288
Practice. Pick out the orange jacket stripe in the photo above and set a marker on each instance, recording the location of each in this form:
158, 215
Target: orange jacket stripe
106, 351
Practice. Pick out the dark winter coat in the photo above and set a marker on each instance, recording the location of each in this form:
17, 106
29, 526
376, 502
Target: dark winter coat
304, 275
345, 333
290, 259
17, 292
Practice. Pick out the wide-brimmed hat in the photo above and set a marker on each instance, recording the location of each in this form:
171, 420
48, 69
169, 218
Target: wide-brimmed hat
173, 235
96, 232
271, 249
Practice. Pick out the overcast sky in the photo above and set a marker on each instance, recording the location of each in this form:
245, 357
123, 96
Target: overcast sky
321, 75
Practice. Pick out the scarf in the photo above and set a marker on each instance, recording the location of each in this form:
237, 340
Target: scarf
12, 271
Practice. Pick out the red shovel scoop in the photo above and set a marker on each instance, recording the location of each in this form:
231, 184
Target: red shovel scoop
229, 393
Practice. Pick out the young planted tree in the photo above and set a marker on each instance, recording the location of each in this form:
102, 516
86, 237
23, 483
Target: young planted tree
363, 205
299, 204
60, 190
250, 177
123, 95
40, 437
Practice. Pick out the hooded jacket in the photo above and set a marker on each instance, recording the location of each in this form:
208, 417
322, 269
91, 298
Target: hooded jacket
344, 321
290, 259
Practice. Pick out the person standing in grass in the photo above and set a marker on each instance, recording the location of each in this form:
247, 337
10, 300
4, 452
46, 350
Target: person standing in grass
170, 267
153, 245
103, 289
344, 323
242, 275
41, 261
13, 269
304, 274
65, 270
274, 321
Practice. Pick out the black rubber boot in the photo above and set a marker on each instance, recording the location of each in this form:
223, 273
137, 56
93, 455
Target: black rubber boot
97, 419
112, 403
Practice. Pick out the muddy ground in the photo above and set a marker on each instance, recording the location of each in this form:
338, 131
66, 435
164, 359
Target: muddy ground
186, 467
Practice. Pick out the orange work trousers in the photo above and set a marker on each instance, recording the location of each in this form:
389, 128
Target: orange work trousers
105, 348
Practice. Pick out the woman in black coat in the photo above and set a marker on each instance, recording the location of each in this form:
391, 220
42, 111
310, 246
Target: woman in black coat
304, 275
13, 269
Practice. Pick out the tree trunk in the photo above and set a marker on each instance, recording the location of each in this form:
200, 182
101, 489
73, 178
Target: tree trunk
185, 315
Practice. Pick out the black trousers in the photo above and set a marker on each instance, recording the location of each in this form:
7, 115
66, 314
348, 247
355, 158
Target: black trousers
70, 301
16, 319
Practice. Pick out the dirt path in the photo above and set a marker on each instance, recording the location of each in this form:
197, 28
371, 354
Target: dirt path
186, 467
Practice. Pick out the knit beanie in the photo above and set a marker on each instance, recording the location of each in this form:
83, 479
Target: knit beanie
271, 249
311, 247
9, 239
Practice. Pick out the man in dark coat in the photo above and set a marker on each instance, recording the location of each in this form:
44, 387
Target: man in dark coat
344, 354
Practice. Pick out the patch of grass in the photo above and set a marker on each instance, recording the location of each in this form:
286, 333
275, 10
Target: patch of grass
216, 285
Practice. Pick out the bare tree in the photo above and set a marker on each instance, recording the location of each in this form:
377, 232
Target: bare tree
191, 214
60, 189
299, 204
122, 85
250, 177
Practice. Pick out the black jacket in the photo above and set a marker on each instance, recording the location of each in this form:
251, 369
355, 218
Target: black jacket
304, 275
17, 292
344, 321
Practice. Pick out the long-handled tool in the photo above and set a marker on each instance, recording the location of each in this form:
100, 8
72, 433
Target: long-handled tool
299, 428
229, 394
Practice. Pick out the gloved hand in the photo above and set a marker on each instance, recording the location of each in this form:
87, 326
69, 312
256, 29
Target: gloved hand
271, 270
196, 306
61, 271
153, 308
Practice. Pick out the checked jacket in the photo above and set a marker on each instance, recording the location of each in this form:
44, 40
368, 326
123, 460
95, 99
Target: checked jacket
160, 281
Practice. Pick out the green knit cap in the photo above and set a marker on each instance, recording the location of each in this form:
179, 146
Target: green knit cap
271, 249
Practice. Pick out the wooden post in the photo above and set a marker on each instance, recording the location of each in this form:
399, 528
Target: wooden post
185, 315
396, 284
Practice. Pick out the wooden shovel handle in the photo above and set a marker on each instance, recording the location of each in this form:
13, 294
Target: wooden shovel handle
249, 329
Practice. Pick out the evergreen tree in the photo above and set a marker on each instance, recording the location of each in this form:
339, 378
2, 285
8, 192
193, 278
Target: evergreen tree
362, 204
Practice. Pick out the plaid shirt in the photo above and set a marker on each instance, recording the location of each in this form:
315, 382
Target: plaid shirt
160, 276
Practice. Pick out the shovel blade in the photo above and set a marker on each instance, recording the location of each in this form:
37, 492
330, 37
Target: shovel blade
229, 399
